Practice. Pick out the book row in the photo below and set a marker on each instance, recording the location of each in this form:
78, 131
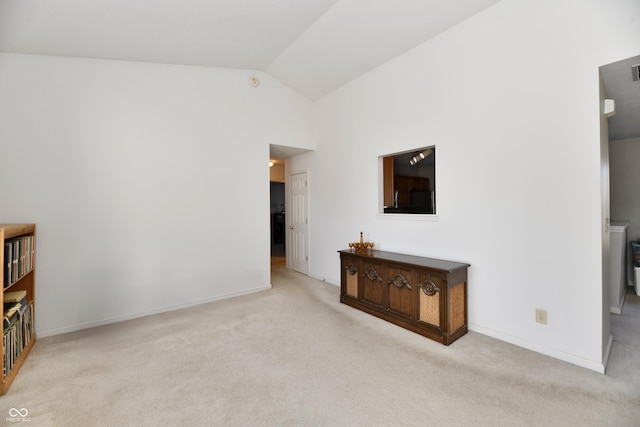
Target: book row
17, 336
18, 259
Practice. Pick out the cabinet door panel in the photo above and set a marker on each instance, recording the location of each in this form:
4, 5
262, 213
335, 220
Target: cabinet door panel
400, 291
372, 285
351, 268
430, 290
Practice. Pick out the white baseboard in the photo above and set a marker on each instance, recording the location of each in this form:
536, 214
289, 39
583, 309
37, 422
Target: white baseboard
556, 354
87, 325
607, 352
329, 280
618, 309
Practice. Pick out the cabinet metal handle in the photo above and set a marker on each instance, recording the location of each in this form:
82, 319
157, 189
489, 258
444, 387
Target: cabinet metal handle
429, 287
400, 281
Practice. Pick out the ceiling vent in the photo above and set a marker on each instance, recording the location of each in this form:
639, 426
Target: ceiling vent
635, 70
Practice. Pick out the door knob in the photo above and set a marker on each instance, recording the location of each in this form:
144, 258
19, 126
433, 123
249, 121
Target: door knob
291, 227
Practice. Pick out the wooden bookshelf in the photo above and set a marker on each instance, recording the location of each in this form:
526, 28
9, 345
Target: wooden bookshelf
17, 277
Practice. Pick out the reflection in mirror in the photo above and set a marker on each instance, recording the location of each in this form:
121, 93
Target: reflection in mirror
409, 181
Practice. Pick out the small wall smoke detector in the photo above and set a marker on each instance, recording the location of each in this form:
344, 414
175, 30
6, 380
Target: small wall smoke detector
635, 70
254, 81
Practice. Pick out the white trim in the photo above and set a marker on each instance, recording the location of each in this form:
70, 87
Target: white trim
618, 309
312, 275
408, 217
566, 357
607, 352
330, 280
118, 319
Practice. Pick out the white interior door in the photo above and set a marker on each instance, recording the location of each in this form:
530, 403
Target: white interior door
297, 213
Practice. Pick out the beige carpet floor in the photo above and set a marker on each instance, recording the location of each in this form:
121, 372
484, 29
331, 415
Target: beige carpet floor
295, 356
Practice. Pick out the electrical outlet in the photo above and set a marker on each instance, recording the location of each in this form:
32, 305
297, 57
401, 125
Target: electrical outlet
541, 316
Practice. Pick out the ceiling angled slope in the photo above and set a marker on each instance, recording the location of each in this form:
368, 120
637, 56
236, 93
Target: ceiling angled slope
313, 46
356, 36
247, 34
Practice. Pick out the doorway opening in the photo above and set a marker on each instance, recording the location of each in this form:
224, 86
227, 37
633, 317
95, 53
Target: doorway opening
620, 155
279, 215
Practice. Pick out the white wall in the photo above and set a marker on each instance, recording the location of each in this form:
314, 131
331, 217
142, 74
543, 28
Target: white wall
510, 98
149, 183
625, 184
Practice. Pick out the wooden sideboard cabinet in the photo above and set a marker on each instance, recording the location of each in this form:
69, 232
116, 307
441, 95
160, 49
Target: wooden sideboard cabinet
424, 295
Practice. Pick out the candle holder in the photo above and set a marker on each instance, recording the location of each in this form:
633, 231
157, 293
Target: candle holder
361, 247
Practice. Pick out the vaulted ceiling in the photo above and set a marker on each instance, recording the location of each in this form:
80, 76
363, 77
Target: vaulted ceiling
313, 46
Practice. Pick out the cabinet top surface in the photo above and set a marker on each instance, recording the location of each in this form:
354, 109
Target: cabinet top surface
436, 264
12, 230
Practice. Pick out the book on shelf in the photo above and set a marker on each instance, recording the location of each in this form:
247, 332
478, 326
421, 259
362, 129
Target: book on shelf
11, 298
15, 304
8, 263
11, 315
17, 336
18, 258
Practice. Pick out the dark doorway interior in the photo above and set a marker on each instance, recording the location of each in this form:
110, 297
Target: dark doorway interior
277, 219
